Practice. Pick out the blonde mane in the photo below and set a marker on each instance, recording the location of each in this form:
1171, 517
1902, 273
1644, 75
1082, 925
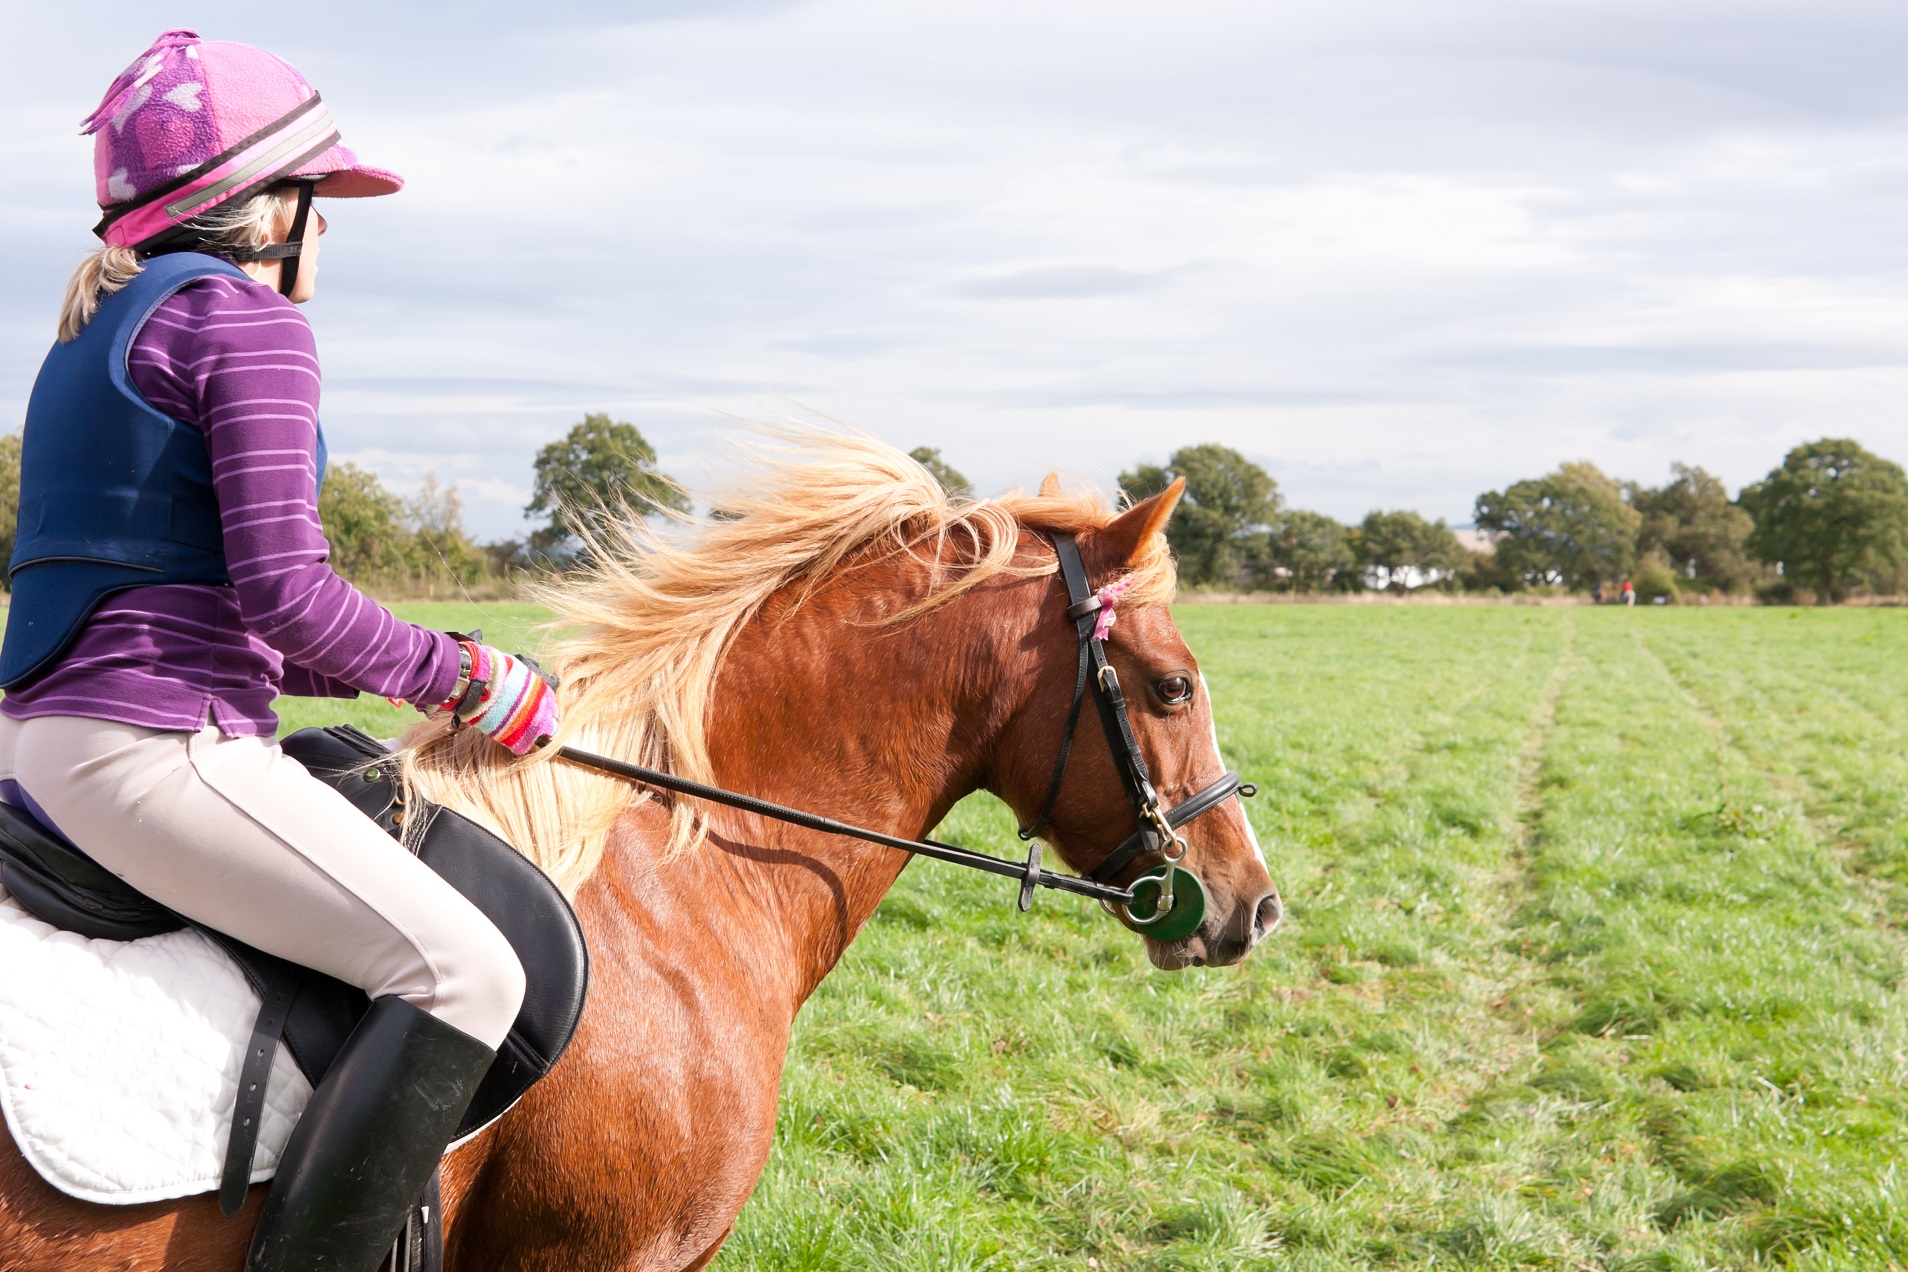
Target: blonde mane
642, 630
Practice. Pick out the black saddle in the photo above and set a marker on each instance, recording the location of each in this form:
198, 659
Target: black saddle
58, 884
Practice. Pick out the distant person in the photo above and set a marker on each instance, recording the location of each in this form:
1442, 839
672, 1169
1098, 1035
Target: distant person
170, 579
1629, 592
1596, 593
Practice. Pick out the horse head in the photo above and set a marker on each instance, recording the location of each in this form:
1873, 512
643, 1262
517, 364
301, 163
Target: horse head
1093, 809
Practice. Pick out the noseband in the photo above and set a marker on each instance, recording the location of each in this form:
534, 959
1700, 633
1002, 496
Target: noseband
1171, 889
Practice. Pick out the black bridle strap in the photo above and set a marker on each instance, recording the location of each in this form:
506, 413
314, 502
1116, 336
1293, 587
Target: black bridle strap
1146, 839
1107, 695
1025, 871
1082, 613
1096, 673
1083, 610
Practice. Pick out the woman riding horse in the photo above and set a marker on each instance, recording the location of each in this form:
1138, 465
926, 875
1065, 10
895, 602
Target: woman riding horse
171, 579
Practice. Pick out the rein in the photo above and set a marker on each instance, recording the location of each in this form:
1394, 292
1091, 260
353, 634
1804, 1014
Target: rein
1170, 900
1030, 874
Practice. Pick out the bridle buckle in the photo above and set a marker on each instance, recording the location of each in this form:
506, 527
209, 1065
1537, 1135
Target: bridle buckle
1169, 838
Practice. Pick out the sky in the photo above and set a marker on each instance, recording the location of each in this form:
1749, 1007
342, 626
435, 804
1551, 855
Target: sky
1397, 253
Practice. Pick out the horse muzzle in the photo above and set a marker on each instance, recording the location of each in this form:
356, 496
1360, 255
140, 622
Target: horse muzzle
1212, 944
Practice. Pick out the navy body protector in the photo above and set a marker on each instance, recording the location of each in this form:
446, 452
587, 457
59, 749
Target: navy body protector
114, 493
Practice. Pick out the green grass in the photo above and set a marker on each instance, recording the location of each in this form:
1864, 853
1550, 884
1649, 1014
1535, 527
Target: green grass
1594, 961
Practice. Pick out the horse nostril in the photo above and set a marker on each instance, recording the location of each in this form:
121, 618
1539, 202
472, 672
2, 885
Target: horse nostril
1267, 916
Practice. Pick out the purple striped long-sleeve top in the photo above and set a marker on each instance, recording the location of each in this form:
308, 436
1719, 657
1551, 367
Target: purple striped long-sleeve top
235, 360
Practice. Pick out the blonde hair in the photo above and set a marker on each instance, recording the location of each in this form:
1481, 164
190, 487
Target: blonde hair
109, 268
643, 629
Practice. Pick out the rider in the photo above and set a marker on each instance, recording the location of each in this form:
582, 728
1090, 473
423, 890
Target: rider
171, 578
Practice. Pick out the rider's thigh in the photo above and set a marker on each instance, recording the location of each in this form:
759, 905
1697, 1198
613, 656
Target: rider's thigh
234, 834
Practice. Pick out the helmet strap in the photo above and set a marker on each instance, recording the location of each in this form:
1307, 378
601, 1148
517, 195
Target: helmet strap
288, 272
289, 251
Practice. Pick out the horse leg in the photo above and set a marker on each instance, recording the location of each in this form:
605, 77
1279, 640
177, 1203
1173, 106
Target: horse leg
44, 1230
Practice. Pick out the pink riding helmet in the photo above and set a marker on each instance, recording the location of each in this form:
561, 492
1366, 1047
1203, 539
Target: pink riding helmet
191, 125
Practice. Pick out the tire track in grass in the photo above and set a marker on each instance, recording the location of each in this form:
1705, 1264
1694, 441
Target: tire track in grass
1843, 1217
1521, 1196
1532, 1128
1456, 1209
1527, 809
1802, 791
1518, 973
1712, 1098
1704, 713
1383, 1027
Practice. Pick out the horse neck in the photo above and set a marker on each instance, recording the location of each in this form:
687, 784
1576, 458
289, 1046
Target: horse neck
822, 707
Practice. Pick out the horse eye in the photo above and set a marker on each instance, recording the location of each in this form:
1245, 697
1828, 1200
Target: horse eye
1175, 689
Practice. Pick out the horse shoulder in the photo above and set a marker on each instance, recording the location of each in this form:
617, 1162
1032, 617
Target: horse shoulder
640, 1148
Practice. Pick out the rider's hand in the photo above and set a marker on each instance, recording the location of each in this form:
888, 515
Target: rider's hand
507, 699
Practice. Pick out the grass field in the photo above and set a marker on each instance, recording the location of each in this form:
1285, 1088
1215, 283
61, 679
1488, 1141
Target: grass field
1593, 961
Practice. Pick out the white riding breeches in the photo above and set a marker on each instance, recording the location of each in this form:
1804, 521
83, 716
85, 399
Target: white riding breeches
234, 834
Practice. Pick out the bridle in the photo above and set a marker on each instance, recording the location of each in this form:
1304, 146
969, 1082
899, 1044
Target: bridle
1167, 903
1172, 890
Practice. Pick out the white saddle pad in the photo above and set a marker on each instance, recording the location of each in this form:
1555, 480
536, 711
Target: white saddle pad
119, 1061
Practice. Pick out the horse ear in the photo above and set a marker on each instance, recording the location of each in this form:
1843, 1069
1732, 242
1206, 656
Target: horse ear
1050, 486
1128, 535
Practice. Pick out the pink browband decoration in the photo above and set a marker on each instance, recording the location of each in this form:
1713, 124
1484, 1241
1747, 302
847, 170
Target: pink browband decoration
283, 147
1108, 596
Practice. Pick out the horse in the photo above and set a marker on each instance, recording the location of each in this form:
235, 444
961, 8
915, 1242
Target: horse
842, 637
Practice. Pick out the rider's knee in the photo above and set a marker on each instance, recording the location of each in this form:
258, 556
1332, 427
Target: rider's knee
484, 989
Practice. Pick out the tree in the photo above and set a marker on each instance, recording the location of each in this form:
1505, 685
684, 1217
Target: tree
439, 545
1697, 529
599, 466
1228, 501
1571, 527
364, 523
9, 497
506, 557
1833, 516
1404, 545
1302, 552
1485, 572
379, 540
956, 485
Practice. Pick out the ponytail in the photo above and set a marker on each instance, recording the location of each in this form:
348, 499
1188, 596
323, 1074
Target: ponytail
98, 276
230, 225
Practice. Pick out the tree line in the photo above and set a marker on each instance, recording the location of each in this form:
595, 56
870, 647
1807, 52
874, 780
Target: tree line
1830, 521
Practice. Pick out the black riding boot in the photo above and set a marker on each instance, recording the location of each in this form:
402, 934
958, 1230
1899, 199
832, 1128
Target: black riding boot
361, 1155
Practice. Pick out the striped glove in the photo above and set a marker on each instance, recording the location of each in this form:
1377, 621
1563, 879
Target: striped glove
507, 699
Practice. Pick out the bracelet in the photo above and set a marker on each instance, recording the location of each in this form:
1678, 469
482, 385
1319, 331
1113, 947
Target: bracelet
465, 664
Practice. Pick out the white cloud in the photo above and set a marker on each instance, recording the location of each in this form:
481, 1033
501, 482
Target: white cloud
1397, 252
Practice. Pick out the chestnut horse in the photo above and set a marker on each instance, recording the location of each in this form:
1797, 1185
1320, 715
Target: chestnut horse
846, 640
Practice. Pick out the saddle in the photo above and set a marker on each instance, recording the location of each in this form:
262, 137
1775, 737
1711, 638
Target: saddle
309, 1011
